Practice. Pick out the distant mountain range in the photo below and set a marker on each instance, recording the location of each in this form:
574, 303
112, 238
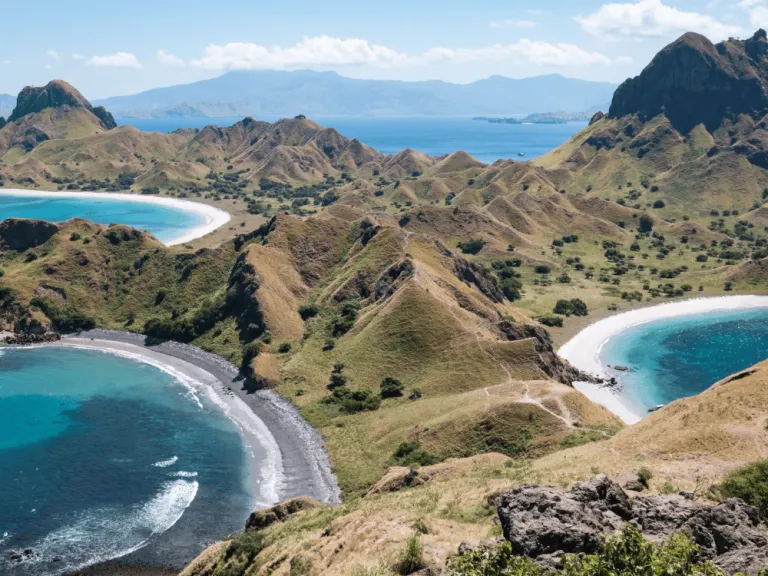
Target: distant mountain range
259, 93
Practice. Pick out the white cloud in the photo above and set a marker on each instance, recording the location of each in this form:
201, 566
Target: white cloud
53, 54
77, 57
169, 59
320, 51
512, 24
533, 51
757, 11
5, 62
116, 60
652, 18
48, 67
327, 52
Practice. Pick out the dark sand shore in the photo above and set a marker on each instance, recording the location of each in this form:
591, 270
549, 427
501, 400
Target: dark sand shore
305, 465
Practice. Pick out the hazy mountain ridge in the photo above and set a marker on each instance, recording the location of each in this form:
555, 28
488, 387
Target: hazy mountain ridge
7, 103
327, 93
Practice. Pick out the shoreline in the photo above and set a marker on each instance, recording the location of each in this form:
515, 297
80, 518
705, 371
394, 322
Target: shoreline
291, 457
583, 350
214, 218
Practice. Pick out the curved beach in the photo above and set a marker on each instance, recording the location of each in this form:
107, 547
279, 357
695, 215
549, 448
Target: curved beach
296, 462
583, 350
213, 217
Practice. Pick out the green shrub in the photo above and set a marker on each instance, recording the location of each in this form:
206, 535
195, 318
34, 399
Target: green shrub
644, 475
63, 318
750, 483
353, 401
284, 348
391, 388
512, 288
411, 557
307, 311
410, 453
551, 321
627, 554
337, 379
345, 319
645, 224
472, 246
541, 269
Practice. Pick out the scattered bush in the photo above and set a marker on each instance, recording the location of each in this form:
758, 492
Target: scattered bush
347, 315
64, 319
644, 475
541, 269
284, 348
551, 321
512, 288
353, 401
337, 379
645, 224
577, 307
410, 453
307, 311
391, 388
472, 246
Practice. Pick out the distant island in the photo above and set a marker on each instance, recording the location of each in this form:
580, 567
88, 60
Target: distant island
543, 118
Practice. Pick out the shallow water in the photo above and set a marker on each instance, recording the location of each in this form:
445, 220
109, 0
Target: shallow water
678, 357
165, 223
102, 455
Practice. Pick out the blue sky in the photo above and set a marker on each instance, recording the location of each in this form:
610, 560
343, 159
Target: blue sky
113, 48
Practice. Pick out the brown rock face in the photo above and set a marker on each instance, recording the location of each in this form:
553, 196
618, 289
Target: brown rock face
19, 234
694, 81
56, 94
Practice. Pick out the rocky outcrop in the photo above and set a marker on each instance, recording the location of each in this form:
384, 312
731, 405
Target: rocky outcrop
263, 518
20, 234
56, 94
694, 81
398, 478
545, 523
550, 363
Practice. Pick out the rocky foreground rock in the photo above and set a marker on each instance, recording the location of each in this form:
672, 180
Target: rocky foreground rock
545, 523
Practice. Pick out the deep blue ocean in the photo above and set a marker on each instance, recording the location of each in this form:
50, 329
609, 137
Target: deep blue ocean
163, 222
678, 357
432, 135
101, 455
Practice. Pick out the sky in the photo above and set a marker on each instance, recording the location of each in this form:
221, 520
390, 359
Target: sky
115, 48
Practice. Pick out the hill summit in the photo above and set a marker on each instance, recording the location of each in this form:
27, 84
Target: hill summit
56, 94
694, 81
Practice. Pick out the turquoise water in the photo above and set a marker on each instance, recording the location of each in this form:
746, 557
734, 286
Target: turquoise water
165, 223
678, 357
432, 135
101, 455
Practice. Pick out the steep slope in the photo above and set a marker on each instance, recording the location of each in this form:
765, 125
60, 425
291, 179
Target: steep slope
54, 111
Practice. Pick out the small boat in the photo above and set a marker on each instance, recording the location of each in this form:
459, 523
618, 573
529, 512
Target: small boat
658, 407
521, 153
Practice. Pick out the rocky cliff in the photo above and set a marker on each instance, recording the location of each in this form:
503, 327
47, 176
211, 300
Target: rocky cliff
694, 81
56, 94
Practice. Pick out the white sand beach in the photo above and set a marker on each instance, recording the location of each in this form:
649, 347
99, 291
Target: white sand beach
213, 217
583, 350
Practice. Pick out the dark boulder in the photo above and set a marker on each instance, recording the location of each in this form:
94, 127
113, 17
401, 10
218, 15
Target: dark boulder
545, 523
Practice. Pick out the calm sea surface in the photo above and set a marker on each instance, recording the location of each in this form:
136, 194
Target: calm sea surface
432, 135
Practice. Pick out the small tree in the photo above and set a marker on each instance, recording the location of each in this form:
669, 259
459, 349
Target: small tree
645, 224
750, 483
391, 388
644, 475
337, 379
